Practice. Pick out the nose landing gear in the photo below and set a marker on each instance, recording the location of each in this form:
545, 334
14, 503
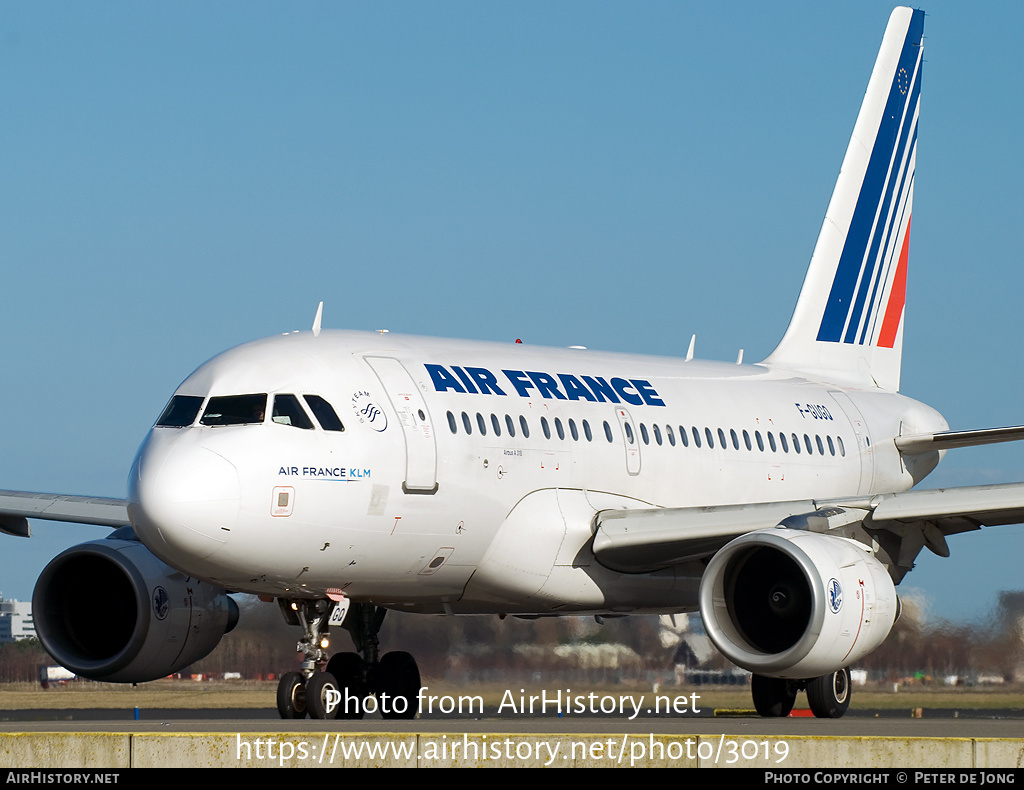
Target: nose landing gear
349, 685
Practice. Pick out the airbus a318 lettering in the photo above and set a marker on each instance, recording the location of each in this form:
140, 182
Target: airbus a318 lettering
347, 474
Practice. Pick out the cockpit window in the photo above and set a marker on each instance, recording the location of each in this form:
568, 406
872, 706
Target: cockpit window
287, 411
235, 410
181, 411
324, 413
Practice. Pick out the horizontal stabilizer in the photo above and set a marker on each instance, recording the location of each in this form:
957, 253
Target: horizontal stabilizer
947, 440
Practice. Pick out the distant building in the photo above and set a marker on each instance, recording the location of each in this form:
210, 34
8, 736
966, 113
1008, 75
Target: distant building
1011, 610
16, 620
1010, 615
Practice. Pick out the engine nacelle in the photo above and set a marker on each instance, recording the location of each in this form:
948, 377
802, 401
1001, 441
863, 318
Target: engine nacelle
793, 604
109, 610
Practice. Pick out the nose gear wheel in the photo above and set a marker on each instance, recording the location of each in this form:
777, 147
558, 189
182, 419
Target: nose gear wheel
342, 686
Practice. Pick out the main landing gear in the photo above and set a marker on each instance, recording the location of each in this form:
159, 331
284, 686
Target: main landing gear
349, 685
827, 696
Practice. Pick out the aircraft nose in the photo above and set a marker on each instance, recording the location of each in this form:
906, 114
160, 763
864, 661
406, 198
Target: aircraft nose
183, 500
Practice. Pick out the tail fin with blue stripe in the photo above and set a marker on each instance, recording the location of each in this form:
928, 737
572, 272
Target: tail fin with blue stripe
848, 322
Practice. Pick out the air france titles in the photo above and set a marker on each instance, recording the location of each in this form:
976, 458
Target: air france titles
339, 473
534, 384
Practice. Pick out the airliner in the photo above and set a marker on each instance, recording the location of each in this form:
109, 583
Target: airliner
346, 474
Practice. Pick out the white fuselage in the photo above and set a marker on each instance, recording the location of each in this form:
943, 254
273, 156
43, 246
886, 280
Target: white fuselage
429, 501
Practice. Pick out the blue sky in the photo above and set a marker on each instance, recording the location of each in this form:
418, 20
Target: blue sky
178, 178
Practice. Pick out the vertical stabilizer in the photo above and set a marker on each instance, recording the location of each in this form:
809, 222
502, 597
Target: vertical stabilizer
848, 322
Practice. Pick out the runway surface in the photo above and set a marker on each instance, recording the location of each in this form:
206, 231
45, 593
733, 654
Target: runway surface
934, 723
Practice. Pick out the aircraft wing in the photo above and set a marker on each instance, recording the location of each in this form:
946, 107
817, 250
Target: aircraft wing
16, 507
642, 540
639, 541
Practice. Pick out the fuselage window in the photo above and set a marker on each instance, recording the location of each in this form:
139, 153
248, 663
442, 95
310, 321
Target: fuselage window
842, 447
573, 431
467, 424
559, 429
643, 434
696, 437
721, 440
524, 426
735, 439
785, 444
760, 441
545, 427
831, 447
324, 413
629, 433
587, 432
796, 443
511, 426
481, 424
671, 436
608, 432
235, 410
746, 440
496, 425
684, 437
807, 444
180, 412
710, 438
452, 424
287, 411
657, 433
821, 447
771, 441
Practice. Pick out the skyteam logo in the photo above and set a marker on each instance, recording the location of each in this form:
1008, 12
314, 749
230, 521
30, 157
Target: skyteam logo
369, 412
835, 596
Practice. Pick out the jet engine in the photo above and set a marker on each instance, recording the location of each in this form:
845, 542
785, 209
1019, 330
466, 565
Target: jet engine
793, 604
109, 610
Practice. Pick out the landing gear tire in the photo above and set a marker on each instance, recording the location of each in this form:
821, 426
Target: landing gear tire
773, 697
322, 696
347, 669
291, 696
829, 695
398, 677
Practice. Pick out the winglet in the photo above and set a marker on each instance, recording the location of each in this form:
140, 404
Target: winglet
848, 322
316, 321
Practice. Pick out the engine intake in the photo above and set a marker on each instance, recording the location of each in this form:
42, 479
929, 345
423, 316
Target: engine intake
109, 610
793, 604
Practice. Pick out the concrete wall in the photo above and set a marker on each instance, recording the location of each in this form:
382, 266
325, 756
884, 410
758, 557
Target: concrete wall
294, 749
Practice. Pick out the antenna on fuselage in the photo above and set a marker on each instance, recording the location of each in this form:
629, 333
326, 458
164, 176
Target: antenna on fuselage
689, 351
316, 321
